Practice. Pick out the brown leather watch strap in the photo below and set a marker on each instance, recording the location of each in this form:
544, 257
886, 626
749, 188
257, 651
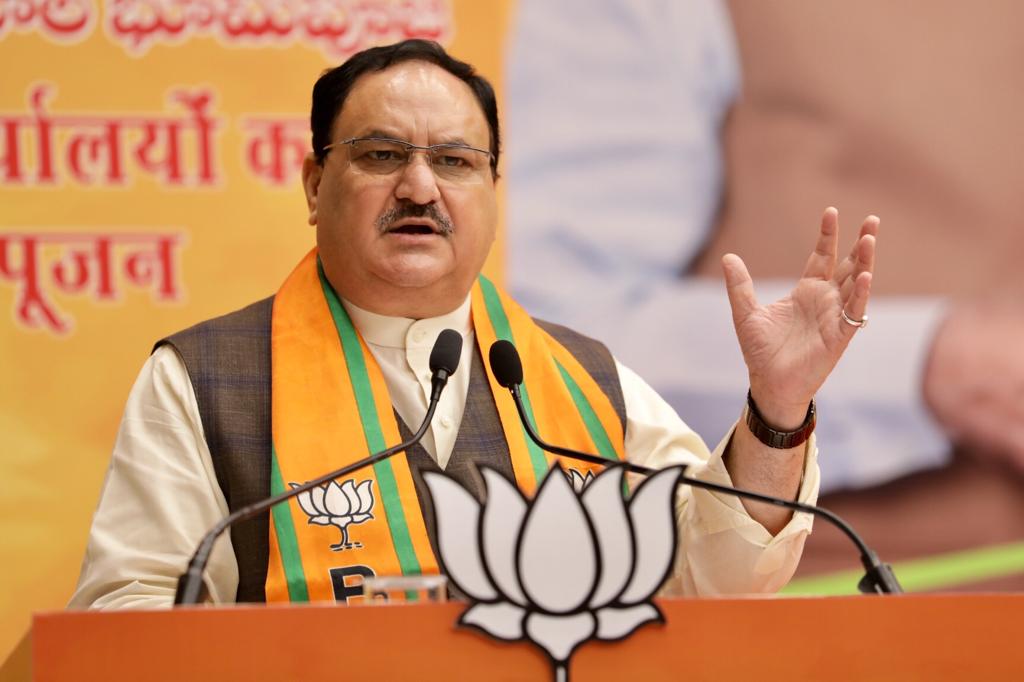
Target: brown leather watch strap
780, 440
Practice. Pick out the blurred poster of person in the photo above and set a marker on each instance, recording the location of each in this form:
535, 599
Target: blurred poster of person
648, 138
615, 180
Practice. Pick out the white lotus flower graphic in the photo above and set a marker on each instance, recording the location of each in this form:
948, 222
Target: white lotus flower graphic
578, 481
338, 505
562, 570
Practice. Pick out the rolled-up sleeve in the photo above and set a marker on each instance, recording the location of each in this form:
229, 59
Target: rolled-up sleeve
722, 550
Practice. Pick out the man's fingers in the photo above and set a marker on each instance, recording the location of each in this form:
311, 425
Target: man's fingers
822, 262
847, 265
864, 261
870, 226
856, 306
739, 287
865, 256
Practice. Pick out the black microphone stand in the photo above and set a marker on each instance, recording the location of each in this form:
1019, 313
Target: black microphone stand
190, 584
443, 363
878, 578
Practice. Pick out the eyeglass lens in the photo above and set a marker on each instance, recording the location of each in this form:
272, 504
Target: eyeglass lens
449, 162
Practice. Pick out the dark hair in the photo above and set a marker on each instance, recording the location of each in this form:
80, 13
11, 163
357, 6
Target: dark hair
334, 85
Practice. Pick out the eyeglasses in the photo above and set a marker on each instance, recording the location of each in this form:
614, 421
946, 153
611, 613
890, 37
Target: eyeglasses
455, 163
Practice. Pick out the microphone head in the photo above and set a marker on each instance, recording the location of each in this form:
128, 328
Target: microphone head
446, 352
505, 363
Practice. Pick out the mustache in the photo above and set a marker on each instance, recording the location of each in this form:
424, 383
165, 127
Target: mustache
411, 210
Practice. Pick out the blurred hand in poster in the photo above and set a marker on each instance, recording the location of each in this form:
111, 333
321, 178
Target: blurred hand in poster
974, 382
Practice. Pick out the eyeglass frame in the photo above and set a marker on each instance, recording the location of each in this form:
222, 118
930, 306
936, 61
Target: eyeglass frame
414, 147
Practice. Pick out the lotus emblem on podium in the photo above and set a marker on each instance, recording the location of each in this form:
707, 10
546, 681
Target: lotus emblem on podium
564, 568
340, 506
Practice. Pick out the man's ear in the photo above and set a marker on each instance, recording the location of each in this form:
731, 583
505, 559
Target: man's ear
312, 171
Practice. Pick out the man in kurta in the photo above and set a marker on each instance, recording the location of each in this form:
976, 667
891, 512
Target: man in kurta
400, 186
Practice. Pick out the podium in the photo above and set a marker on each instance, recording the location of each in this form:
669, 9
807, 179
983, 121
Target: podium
909, 637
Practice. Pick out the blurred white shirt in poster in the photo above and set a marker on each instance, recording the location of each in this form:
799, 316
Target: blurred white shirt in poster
614, 113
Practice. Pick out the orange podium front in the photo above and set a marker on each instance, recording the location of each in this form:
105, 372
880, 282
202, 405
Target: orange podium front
909, 637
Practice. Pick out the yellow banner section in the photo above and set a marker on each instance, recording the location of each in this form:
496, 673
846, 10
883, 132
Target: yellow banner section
149, 179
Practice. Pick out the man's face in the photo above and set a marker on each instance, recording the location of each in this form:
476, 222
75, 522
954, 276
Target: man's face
404, 243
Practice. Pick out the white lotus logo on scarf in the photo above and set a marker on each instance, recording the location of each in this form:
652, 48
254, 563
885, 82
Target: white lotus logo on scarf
563, 569
578, 481
339, 505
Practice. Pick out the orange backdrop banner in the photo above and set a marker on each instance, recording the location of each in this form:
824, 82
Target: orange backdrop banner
149, 178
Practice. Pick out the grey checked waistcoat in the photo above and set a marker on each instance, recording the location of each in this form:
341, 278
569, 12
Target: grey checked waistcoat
228, 363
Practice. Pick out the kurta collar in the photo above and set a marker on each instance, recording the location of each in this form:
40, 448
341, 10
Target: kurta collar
405, 332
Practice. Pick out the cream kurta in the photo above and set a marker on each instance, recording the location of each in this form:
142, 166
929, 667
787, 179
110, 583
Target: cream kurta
161, 494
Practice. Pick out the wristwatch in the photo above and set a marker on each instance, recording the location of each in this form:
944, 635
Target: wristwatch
781, 440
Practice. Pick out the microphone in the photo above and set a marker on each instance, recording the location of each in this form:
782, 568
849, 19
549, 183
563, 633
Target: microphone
879, 577
444, 360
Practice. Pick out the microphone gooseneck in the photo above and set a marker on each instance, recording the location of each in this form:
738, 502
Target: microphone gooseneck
508, 371
444, 360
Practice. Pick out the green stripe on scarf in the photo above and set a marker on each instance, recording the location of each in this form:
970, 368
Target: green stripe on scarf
503, 330
592, 422
291, 558
360, 379
590, 418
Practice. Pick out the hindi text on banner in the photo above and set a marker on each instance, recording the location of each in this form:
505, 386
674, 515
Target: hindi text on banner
93, 264
38, 147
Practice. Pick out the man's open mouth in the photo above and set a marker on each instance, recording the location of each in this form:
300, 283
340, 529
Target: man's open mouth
413, 228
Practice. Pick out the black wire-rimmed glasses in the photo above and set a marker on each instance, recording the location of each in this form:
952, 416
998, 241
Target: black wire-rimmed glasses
457, 163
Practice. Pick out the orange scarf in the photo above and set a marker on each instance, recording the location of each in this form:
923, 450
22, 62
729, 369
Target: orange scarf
330, 407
